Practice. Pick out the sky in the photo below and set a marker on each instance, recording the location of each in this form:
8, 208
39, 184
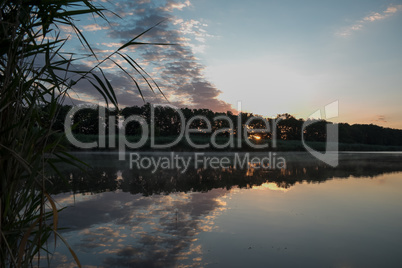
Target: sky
275, 57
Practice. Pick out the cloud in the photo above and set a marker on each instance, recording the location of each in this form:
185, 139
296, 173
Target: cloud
171, 5
387, 13
375, 16
114, 45
380, 119
94, 27
175, 68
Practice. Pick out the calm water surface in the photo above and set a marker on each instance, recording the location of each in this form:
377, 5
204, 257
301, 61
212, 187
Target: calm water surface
307, 215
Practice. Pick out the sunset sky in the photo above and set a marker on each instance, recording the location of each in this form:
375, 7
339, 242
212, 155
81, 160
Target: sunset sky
283, 56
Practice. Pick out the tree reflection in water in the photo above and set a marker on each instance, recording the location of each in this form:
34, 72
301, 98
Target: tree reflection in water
121, 217
110, 175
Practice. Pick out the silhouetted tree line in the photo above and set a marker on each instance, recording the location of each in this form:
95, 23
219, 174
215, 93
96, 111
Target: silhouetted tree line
167, 122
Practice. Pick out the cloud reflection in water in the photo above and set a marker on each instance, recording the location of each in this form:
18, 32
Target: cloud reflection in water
123, 230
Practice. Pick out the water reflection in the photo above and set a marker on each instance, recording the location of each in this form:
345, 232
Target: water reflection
137, 231
121, 217
109, 174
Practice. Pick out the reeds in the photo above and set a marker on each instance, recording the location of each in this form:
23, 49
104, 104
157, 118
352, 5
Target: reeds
35, 78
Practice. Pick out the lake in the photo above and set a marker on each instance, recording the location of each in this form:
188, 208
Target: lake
306, 214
